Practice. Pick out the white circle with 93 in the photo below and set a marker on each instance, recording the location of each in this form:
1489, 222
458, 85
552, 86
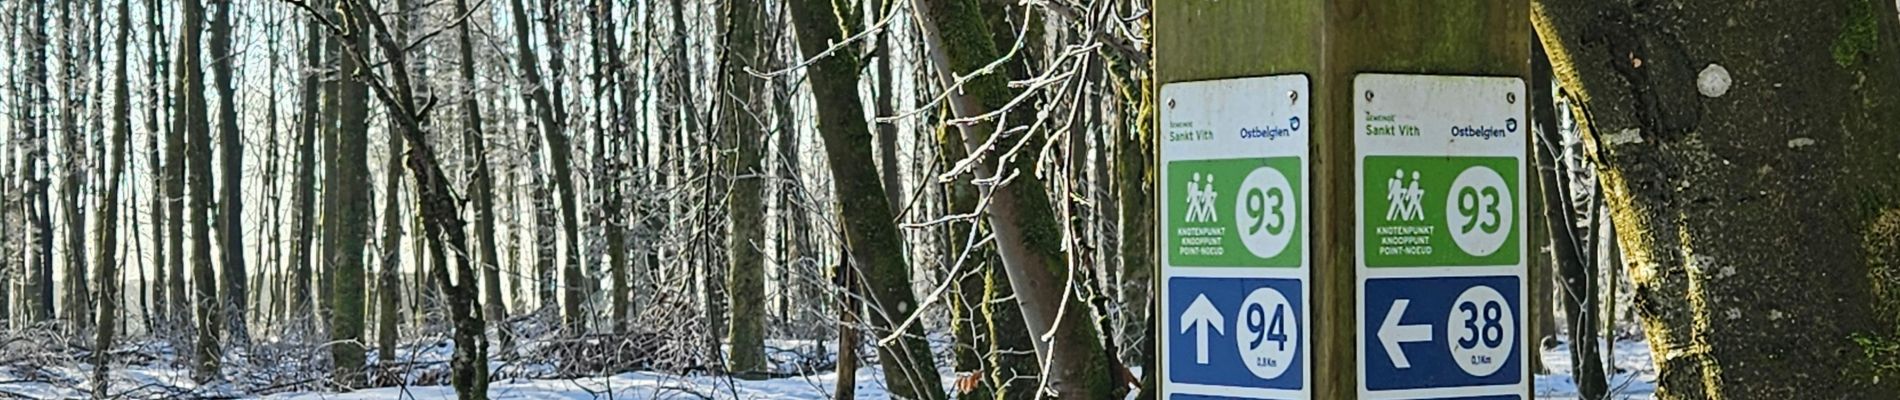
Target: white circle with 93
1479, 211
1266, 212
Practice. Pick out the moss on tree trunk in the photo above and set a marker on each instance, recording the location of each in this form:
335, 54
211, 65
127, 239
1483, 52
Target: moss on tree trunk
1744, 147
1028, 236
745, 285
870, 233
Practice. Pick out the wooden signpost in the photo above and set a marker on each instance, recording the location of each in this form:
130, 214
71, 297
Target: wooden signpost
1343, 199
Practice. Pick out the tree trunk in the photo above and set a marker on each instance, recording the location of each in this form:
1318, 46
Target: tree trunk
198, 141
1027, 235
388, 284
1740, 171
481, 186
157, 322
554, 131
107, 265
545, 110
73, 166
38, 288
617, 126
437, 204
742, 123
231, 182
999, 343
352, 201
1570, 249
1135, 194
261, 293
872, 236
849, 319
305, 184
889, 174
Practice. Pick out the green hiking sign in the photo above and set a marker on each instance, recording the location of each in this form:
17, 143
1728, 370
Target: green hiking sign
1241, 212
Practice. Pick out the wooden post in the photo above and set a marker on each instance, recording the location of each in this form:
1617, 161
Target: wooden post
1330, 42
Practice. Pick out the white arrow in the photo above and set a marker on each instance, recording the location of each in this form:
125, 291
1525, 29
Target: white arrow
1203, 313
1391, 333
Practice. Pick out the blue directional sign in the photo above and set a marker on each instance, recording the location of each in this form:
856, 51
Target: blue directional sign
1233, 227
1236, 332
1440, 261
1441, 332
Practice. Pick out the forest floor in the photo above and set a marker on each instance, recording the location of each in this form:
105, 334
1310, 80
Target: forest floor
1635, 376
65, 378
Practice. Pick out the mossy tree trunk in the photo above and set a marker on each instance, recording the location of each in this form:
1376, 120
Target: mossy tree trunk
1027, 234
991, 338
1744, 148
743, 127
350, 222
875, 247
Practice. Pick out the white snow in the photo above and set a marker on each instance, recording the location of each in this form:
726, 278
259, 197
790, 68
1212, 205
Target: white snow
633, 386
1634, 379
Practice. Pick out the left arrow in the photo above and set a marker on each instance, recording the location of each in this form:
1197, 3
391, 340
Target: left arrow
1391, 334
1202, 313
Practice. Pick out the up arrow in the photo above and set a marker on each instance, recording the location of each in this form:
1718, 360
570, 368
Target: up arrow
1202, 313
1391, 334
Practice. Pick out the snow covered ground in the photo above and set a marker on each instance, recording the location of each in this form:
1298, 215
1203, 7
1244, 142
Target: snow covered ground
638, 385
1634, 380
1635, 377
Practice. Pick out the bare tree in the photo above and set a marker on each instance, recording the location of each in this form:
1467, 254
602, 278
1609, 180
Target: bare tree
872, 236
107, 264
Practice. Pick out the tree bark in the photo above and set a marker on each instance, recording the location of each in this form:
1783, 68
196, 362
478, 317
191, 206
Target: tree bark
107, 265
198, 142
73, 165
481, 185
37, 292
553, 132
437, 204
554, 129
351, 200
1027, 235
742, 126
305, 183
231, 180
870, 233
1739, 169
388, 284
157, 322
889, 174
